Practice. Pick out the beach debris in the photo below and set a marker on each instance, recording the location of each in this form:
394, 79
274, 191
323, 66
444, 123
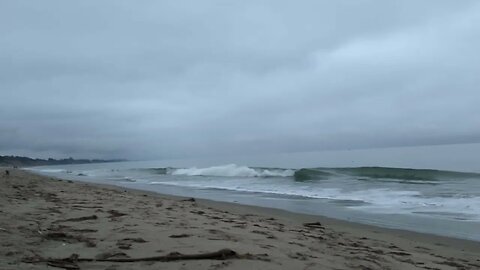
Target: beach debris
115, 213
189, 200
72, 261
112, 254
136, 240
64, 265
92, 217
399, 253
183, 235
86, 206
122, 245
222, 254
85, 230
314, 225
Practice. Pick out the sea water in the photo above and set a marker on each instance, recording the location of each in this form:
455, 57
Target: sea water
432, 189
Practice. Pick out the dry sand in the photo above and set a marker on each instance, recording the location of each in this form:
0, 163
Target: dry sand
44, 219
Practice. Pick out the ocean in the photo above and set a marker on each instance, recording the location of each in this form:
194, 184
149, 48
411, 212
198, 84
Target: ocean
429, 189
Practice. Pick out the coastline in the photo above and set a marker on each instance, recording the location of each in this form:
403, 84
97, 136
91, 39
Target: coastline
34, 207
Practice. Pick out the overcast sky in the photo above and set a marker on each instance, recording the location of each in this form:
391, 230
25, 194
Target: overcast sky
162, 79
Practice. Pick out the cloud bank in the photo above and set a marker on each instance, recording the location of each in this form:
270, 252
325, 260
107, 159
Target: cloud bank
163, 79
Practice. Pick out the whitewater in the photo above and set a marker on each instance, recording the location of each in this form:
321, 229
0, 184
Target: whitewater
436, 199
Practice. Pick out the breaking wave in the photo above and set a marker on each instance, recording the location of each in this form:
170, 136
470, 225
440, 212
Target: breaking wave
232, 170
419, 176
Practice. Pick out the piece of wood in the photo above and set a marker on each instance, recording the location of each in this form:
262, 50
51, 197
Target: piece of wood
313, 225
92, 217
183, 235
64, 265
72, 261
222, 254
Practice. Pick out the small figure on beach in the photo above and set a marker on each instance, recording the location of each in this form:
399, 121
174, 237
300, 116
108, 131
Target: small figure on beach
7, 173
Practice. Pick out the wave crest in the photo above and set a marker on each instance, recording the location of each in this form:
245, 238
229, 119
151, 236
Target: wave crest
375, 173
232, 170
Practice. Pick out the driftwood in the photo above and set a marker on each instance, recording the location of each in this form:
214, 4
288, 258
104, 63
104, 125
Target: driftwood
115, 213
222, 254
183, 235
71, 262
64, 265
84, 230
107, 255
92, 217
313, 225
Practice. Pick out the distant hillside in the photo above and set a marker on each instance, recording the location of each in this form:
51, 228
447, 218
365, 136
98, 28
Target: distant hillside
26, 161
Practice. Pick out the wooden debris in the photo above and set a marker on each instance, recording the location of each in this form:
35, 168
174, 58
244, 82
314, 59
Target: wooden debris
313, 225
107, 255
64, 265
92, 217
136, 240
72, 261
183, 235
115, 213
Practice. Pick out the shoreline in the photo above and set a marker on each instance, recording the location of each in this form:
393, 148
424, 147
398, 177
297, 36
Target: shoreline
203, 226
239, 208
174, 191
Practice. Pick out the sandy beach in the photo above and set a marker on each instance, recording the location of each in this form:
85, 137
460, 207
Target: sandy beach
48, 223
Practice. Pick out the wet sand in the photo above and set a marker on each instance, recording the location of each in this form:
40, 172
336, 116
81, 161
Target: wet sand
48, 223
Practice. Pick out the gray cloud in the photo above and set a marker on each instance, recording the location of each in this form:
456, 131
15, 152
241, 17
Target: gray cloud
154, 79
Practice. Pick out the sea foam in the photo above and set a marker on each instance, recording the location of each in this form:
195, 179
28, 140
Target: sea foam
232, 170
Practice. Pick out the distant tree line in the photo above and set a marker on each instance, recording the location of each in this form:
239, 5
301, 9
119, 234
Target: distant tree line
26, 161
